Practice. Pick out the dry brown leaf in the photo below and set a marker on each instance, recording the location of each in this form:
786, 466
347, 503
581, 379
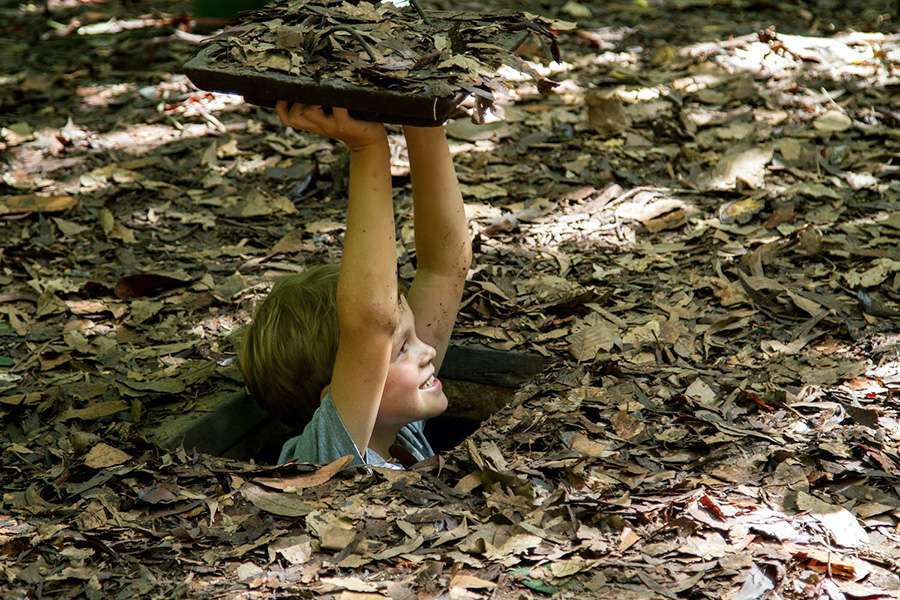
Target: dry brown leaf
98, 410
277, 503
470, 582
296, 549
627, 539
581, 443
348, 595
21, 399
291, 484
595, 335
353, 584
103, 455
626, 426
32, 203
469, 482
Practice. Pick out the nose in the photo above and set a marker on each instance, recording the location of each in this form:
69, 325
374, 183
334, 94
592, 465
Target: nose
428, 353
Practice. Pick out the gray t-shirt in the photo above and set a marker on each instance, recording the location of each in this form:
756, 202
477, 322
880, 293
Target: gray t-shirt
325, 439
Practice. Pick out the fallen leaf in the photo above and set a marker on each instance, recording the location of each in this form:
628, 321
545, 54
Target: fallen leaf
832, 121
32, 203
627, 539
470, 582
103, 455
594, 334
354, 584
98, 410
741, 165
292, 484
295, 549
277, 503
845, 530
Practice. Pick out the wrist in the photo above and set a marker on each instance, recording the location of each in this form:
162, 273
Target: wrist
374, 145
416, 132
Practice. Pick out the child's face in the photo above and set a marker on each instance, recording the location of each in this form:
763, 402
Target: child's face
404, 400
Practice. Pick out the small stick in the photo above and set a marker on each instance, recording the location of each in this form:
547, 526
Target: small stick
520, 41
419, 10
357, 35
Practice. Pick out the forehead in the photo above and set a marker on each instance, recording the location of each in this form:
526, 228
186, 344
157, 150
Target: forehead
406, 315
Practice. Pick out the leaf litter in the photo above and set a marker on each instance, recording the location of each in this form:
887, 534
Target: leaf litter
701, 234
436, 53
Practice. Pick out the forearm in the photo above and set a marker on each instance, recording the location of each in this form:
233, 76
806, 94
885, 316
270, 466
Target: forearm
442, 232
367, 284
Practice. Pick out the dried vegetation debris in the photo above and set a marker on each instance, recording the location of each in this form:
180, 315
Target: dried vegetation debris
386, 47
702, 235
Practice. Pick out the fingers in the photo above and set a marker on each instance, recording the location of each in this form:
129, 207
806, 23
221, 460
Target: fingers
296, 112
314, 119
291, 116
310, 118
281, 109
317, 116
341, 117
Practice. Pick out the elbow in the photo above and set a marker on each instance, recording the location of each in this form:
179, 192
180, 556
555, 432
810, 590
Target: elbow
468, 257
369, 317
462, 260
465, 261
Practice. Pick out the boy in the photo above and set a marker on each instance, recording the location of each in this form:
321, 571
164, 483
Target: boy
348, 341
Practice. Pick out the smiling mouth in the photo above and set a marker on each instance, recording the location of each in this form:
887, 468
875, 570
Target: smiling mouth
431, 382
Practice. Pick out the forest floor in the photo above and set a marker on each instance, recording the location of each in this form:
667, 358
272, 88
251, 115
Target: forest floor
699, 227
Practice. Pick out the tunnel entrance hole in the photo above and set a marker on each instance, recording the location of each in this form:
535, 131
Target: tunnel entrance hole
478, 382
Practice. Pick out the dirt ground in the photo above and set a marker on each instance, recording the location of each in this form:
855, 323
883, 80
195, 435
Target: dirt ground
699, 227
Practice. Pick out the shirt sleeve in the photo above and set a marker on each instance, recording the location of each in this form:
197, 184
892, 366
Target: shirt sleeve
323, 440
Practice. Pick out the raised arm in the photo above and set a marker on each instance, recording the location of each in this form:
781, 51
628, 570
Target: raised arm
367, 306
367, 300
443, 244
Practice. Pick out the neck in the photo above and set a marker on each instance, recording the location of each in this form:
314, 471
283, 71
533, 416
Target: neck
383, 437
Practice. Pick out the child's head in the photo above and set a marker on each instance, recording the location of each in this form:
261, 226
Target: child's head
287, 353
404, 399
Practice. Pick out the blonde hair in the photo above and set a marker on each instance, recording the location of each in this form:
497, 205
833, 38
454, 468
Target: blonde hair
287, 353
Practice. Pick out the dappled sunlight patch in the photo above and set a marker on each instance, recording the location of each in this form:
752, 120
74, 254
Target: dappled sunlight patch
140, 138
838, 57
101, 96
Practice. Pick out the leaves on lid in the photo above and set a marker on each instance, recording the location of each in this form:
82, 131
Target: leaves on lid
384, 47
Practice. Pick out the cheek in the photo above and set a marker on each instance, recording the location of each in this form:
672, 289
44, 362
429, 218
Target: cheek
401, 377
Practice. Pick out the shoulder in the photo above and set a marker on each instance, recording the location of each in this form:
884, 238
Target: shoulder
324, 438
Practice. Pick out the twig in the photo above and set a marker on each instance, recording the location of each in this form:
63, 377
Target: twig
357, 35
210, 118
519, 42
832, 102
415, 4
